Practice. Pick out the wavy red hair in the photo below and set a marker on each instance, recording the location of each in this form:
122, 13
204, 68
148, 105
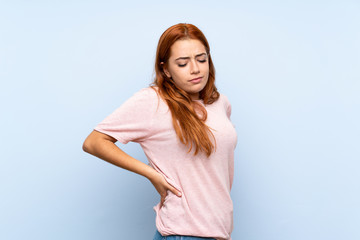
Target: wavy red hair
189, 126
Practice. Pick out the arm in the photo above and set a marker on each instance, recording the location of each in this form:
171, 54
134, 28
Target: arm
103, 146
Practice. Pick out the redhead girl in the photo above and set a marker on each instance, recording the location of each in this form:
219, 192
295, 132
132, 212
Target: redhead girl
183, 125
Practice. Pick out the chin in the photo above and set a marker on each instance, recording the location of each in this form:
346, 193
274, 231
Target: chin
202, 87
196, 89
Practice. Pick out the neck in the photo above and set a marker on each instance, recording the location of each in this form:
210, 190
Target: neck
195, 96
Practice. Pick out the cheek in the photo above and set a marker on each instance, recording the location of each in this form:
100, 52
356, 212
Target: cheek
180, 75
205, 66
205, 69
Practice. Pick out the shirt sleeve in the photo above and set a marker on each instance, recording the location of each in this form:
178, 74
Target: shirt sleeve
132, 121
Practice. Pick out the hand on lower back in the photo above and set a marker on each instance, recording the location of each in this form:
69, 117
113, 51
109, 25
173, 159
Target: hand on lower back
162, 186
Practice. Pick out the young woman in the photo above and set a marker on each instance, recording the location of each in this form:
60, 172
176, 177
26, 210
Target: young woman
183, 125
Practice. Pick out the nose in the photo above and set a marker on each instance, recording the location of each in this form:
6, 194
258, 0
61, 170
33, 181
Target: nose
194, 67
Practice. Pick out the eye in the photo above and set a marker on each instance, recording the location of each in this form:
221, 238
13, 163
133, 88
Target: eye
202, 61
182, 65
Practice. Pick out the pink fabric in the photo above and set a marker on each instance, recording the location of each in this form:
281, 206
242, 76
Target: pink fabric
205, 208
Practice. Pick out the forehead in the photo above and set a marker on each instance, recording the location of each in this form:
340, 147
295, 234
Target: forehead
186, 48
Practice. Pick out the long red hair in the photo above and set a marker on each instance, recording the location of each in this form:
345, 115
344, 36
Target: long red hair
189, 126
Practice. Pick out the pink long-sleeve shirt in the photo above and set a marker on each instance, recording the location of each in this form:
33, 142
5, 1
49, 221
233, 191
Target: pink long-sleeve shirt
205, 208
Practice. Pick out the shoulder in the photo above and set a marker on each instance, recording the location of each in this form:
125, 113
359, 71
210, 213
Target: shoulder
224, 99
147, 92
146, 96
226, 103
144, 100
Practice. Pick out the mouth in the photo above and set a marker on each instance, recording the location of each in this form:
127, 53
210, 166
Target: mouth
195, 80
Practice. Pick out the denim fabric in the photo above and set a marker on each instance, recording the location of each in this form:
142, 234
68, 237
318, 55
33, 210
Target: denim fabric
158, 236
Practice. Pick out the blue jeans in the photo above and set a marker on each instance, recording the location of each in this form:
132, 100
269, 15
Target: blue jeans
158, 236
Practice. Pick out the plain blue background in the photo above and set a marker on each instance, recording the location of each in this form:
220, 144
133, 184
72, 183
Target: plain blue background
289, 68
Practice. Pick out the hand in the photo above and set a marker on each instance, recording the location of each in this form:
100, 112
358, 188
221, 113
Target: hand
162, 186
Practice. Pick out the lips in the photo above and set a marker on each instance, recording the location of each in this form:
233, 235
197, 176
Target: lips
195, 80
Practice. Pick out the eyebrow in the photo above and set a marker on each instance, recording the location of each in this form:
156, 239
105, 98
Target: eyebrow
189, 57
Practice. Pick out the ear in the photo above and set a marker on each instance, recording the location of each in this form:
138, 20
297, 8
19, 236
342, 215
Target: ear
165, 70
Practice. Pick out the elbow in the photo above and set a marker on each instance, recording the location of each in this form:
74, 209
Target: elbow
87, 145
95, 139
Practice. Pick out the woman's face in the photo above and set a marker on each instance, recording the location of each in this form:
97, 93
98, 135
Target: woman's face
188, 66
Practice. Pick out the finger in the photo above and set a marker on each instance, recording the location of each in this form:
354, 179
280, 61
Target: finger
162, 200
174, 191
